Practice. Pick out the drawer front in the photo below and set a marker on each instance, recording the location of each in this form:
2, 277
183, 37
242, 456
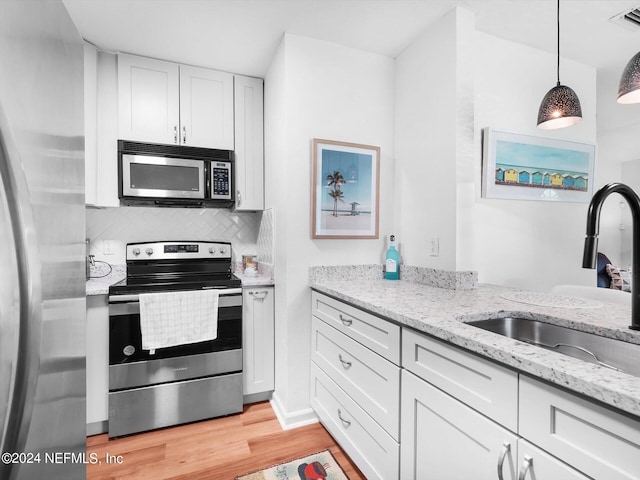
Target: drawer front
597, 441
381, 336
484, 386
375, 453
370, 380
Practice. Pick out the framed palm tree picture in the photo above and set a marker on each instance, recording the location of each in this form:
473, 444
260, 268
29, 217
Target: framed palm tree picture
344, 190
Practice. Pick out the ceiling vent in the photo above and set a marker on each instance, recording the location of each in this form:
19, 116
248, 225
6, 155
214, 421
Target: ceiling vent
629, 19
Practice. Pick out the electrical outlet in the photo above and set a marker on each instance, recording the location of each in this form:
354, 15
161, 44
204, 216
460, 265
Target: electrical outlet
108, 247
434, 246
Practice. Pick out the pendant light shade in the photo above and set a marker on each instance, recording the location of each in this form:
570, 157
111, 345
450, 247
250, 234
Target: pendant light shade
560, 107
629, 89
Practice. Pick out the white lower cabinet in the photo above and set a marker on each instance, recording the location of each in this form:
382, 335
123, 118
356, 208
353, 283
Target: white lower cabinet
258, 340
461, 416
97, 364
355, 384
443, 439
370, 447
594, 439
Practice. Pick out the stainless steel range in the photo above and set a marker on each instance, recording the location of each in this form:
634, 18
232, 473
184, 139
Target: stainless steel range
157, 387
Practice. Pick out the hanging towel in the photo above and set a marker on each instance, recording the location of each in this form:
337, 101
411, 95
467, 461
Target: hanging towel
176, 318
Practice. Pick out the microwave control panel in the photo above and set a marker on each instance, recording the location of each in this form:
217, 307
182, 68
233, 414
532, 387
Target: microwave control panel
221, 180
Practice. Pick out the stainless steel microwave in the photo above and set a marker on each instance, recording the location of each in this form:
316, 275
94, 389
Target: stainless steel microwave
174, 175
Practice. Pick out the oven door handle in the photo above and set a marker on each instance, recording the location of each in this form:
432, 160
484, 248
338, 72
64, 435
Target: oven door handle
136, 297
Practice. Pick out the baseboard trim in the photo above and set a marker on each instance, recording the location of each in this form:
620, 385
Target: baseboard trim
96, 428
257, 397
290, 420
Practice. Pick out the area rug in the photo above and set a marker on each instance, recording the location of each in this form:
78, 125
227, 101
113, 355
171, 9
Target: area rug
318, 466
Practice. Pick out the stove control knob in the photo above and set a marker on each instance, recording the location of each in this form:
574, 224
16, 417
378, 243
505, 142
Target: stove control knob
223, 250
212, 251
136, 251
149, 251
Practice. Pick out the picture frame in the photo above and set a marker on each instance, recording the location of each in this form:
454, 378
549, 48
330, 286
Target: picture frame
526, 167
344, 190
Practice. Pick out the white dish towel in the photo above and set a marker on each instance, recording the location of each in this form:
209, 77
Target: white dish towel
168, 319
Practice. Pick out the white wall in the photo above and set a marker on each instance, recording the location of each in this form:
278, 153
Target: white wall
315, 89
439, 117
434, 140
529, 244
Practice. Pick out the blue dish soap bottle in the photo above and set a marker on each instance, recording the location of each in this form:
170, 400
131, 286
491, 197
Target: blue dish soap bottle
392, 269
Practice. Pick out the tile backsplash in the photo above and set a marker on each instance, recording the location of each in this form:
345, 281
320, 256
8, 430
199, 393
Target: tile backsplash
110, 229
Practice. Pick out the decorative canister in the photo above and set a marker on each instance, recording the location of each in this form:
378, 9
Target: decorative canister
250, 265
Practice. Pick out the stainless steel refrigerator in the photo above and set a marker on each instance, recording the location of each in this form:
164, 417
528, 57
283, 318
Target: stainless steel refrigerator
42, 229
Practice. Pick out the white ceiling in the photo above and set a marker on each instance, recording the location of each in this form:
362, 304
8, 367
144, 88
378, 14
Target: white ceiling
241, 36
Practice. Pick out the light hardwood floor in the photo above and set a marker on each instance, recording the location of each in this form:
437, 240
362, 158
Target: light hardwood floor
217, 449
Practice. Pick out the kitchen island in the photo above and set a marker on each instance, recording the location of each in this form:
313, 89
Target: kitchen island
442, 380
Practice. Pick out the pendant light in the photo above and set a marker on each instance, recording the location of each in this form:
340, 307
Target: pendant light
560, 107
629, 89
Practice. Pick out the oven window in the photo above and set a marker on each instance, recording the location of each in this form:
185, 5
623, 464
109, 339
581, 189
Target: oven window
164, 177
125, 342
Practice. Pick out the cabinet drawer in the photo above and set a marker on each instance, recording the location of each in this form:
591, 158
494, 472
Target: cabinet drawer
381, 336
370, 380
375, 453
597, 441
484, 386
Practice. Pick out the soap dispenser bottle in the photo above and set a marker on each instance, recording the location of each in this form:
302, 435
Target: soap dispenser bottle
392, 264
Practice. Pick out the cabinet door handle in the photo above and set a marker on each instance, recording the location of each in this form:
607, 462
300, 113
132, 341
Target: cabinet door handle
175, 134
238, 197
258, 294
345, 363
506, 448
346, 320
346, 422
184, 134
526, 465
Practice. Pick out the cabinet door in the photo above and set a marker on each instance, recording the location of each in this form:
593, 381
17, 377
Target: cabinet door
258, 340
148, 99
536, 464
249, 141
443, 439
206, 108
97, 362
90, 123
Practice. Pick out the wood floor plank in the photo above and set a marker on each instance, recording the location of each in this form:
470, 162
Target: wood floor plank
218, 449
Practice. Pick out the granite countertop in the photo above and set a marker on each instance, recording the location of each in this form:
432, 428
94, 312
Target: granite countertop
441, 312
101, 279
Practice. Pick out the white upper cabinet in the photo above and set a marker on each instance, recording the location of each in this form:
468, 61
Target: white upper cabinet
163, 102
249, 151
206, 108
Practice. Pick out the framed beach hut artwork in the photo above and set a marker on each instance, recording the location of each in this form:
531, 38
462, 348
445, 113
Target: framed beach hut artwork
344, 190
524, 167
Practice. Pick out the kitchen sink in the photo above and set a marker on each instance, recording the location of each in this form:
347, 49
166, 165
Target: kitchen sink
607, 352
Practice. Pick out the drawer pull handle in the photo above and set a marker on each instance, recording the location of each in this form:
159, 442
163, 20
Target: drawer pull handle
506, 448
346, 320
346, 422
526, 465
345, 363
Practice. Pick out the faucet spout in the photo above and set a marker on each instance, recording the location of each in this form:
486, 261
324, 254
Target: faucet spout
589, 257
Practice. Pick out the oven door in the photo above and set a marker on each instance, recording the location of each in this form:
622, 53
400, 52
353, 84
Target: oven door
144, 176
125, 340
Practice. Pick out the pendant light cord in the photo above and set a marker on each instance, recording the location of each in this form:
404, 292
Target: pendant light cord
558, 24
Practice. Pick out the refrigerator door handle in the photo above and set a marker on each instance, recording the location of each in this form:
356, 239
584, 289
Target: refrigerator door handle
22, 226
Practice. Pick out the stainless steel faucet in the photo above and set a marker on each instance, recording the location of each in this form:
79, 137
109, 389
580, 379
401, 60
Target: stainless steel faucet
589, 258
